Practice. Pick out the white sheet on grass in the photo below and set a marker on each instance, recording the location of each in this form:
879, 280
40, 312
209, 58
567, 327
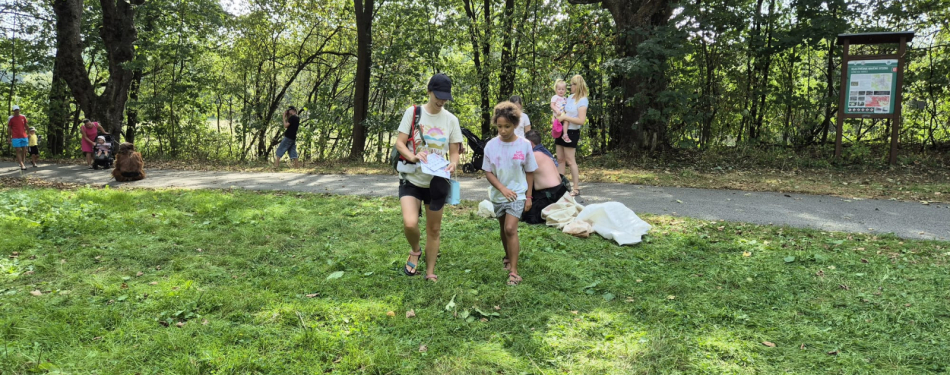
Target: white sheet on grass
612, 220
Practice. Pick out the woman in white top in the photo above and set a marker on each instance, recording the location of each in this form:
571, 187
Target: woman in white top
525, 124
574, 117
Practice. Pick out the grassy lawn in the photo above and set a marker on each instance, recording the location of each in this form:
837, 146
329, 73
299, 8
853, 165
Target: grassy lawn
200, 282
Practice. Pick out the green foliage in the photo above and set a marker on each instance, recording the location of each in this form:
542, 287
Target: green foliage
240, 282
721, 73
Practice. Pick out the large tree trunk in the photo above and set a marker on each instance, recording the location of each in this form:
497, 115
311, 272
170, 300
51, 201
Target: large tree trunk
58, 112
637, 22
364, 59
118, 36
506, 75
481, 49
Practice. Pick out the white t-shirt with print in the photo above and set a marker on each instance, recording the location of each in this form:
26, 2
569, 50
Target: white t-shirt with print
525, 121
440, 130
509, 161
570, 108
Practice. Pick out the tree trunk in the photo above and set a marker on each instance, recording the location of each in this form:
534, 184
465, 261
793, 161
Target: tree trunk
506, 75
364, 58
58, 112
637, 22
118, 36
481, 48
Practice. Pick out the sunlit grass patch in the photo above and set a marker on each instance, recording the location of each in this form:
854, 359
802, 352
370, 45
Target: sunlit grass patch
169, 281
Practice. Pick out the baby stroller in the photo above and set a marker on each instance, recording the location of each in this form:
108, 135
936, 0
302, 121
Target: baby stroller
104, 161
478, 152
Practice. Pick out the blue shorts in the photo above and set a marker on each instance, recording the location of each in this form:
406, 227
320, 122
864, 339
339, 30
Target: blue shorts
285, 145
20, 142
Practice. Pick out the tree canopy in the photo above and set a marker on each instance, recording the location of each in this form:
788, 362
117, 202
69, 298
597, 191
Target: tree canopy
200, 79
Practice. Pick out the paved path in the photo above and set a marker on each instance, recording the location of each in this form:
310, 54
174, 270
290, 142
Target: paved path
905, 219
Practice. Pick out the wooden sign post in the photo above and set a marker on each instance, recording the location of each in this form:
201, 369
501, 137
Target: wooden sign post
872, 85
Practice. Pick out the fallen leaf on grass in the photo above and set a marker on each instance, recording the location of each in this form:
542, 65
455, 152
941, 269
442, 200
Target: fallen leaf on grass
36, 293
746, 254
845, 287
671, 297
158, 268
180, 324
97, 338
28, 273
390, 313
313, 295
833, 352
768, 343
153, 283
139, 274
411, 314
574, 312
496, 307
62, 261
204, 322
423, 348
335, 275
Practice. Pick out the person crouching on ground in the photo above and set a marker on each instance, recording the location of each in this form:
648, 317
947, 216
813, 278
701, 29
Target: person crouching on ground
509, 166
129, 165
548, 183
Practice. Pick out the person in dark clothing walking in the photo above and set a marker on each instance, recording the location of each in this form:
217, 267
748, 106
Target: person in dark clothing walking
289, 142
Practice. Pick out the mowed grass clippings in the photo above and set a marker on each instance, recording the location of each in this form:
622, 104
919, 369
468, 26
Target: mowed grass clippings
232, 282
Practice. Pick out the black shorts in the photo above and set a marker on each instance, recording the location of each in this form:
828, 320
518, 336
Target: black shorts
574, 135
433, 196
34, 150
541, 199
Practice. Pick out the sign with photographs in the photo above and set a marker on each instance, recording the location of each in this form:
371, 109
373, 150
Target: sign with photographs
873, 87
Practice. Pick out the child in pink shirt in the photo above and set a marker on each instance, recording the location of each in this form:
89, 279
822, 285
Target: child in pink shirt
558, 101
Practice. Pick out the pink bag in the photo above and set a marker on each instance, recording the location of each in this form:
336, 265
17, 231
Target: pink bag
556, 128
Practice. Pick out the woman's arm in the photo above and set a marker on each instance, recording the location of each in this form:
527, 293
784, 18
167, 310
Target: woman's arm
455, 151
581, 118
401, 140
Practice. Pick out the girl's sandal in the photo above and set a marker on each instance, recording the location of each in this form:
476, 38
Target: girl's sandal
405, 269
514, 279
575, 192
433, 277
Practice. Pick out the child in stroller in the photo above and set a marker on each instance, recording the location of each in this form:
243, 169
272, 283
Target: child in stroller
478, 152
104, 154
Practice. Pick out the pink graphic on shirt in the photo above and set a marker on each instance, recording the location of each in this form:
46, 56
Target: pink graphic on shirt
518, 156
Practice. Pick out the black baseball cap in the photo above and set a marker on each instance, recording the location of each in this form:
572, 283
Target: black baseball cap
441, 86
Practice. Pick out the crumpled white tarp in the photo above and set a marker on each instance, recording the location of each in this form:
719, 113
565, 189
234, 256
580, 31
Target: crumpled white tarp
612, 220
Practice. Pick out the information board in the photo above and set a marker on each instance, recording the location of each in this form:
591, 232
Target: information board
872, 88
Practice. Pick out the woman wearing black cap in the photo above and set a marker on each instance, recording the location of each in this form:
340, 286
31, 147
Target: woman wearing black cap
434, 131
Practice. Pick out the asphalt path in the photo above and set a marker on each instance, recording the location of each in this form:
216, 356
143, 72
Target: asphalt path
904, 219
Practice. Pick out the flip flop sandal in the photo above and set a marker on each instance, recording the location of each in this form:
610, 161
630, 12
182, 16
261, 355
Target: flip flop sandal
405, 269
514, 279
434, 278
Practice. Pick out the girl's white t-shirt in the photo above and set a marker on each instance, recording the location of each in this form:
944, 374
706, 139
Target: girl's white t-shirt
570, 108
509, 161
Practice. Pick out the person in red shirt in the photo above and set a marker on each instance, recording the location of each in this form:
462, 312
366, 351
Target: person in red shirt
19, 139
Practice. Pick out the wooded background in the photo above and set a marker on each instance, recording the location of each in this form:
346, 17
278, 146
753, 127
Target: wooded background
198, 79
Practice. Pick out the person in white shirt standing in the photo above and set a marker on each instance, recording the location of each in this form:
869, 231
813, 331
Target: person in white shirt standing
524, 125
437, 132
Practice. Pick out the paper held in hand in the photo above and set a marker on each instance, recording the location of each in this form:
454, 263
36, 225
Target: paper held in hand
435, 165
